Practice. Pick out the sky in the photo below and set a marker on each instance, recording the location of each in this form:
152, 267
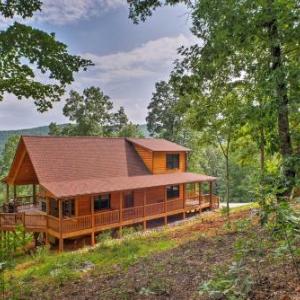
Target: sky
128, 58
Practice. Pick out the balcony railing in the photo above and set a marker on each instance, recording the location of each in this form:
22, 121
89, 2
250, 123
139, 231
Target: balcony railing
39, 221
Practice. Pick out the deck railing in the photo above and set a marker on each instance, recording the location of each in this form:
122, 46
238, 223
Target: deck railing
107, 217
154, 209
174, 204
133, 213
69, 225
11, 220
53, 223
76, 224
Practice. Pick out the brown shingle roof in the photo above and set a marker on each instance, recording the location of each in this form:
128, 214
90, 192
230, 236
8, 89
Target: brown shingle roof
80, 158
157, 144
96, 185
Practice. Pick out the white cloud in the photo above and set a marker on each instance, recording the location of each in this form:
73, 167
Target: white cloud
69, 11
62, 12
152, 58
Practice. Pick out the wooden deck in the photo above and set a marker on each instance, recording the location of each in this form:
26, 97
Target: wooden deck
35, 220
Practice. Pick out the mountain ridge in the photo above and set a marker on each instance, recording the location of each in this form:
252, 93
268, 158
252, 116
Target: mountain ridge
42, 130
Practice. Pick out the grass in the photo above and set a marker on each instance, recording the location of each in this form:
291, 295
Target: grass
44, 267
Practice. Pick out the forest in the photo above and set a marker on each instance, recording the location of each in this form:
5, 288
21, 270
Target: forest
233, 98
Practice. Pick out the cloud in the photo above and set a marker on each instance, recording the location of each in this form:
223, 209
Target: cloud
150, 59
69, 11
61, 12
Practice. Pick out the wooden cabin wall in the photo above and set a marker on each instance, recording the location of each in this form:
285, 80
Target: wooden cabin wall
155, 194
159, 163
138, 197
115, 200
146, 156
83, 205
26, 173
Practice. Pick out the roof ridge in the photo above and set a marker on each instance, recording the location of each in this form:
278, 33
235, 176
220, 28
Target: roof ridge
75, 137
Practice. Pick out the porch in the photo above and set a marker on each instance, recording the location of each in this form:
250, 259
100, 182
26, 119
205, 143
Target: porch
79, 216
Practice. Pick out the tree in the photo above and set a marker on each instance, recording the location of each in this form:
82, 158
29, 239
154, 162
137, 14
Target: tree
90, 111
130, 130
252, 41
8, 154
28, 55
163, 120
91, 114
119, 120
218, 117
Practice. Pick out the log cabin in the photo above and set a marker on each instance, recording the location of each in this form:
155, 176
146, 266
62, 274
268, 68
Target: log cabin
81, 186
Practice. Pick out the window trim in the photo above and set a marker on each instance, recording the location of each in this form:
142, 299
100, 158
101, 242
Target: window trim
97, 198
170, 165
174, 196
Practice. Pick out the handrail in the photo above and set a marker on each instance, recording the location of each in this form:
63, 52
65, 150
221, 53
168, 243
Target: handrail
175, 204
133, 213
153, 209
76, 224
53, 223
107, 217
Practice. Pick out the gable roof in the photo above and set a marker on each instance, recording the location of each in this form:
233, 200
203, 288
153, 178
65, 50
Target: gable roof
70, 166
77, 158
157, 144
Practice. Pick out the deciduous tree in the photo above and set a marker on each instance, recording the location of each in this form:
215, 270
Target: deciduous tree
33, 64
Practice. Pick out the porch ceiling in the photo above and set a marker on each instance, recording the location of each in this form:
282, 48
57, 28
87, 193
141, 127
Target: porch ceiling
64, 189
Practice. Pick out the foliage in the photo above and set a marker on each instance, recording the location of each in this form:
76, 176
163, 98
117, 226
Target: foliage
248, 44
93, 116
8, 154
28, 53
163, 120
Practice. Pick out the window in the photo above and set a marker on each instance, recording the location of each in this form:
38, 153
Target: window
172, 191
102, 202
53, 209
172, 161
128, 199
68, 208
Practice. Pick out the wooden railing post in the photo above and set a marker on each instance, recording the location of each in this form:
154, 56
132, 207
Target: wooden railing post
144, 209
47, 221
93, 222
61, 241
34, 194
200, 194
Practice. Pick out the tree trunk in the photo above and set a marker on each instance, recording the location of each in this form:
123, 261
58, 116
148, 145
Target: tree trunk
227, 184
282, 101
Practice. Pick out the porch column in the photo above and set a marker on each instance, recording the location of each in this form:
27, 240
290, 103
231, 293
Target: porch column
93, 222
210, 194
60, 211
34, 194
165, 207
200, 193
47, 221
121, 213
144, 209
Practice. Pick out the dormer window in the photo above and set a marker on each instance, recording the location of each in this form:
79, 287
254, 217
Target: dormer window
172, 161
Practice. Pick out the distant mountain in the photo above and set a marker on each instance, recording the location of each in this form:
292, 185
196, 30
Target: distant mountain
43, 130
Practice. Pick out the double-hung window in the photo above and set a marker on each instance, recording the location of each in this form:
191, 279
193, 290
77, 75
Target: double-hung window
172, 161
102, 202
